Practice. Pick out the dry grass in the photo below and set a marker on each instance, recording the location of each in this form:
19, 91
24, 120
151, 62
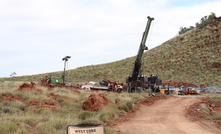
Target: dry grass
16, 118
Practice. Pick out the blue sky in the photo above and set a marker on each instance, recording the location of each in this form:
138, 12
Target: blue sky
36, 35
187, 3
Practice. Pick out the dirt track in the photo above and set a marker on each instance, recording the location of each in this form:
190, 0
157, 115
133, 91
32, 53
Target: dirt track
166, 116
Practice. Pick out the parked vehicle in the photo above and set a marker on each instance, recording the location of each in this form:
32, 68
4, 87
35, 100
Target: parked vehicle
187, 90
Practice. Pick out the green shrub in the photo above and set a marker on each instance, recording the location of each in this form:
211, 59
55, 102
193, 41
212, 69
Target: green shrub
62, 90
59, 125
124, 107
121, 113
215, 97
10, 110
76, 107
43, 111
64, 113
106, 116
110, 107
23, 95
20, 106
85, 115
60, 100
30, 120
8, 128
217, 117
7, 103
35, 93
23, 131
129, 104
148, 90
90, 120
29, 108
109, 130
66, 104
84, 96
46, 128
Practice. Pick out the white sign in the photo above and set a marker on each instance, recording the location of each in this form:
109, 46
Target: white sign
86, 129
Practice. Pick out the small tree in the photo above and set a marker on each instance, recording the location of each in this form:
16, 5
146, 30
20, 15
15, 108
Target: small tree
12, 74
184, 29
206, 20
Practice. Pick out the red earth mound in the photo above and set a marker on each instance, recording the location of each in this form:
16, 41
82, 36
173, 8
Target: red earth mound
56, 97
44, 81
25, 87
179, 84
32, 103
46, 104
9, 97
75, 91
95, 102
151, 100
216, 65
49, 105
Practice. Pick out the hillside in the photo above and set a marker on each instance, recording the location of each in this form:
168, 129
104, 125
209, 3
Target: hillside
194, 56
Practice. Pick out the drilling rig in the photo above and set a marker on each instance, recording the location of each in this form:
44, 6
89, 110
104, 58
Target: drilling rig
137, 80
62, 79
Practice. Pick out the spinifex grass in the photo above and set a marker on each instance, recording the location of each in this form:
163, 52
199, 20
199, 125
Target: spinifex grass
16, 117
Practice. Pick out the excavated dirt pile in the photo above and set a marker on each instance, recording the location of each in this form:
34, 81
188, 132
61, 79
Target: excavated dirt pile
49, 105
9, 97
57, 96
179, 84
25, 87
151, 100
95, 102
44, 81
32, 103
46, 104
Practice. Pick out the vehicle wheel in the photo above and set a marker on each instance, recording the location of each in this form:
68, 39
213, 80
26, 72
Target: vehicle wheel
119, 90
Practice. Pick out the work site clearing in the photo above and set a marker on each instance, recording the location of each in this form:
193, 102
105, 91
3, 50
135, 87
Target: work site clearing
140, 105
169, 115
156, 113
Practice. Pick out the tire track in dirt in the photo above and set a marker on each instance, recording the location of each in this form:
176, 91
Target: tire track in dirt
166, 116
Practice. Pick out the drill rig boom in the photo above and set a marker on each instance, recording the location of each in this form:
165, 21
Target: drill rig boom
137, 81
137, 64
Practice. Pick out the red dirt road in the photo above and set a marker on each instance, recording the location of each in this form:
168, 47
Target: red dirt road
166, 116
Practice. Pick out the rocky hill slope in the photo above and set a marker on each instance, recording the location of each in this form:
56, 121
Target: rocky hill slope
194, 56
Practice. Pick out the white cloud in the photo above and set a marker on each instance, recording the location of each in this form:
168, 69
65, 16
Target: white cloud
92, 32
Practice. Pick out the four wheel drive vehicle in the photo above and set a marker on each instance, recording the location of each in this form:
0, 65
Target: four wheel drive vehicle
187, 90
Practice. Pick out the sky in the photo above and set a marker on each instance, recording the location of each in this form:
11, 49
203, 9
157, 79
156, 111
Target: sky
36, 34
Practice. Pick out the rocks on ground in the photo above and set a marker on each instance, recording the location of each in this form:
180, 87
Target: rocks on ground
57, 96
9, 97
46, 104
179, 84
